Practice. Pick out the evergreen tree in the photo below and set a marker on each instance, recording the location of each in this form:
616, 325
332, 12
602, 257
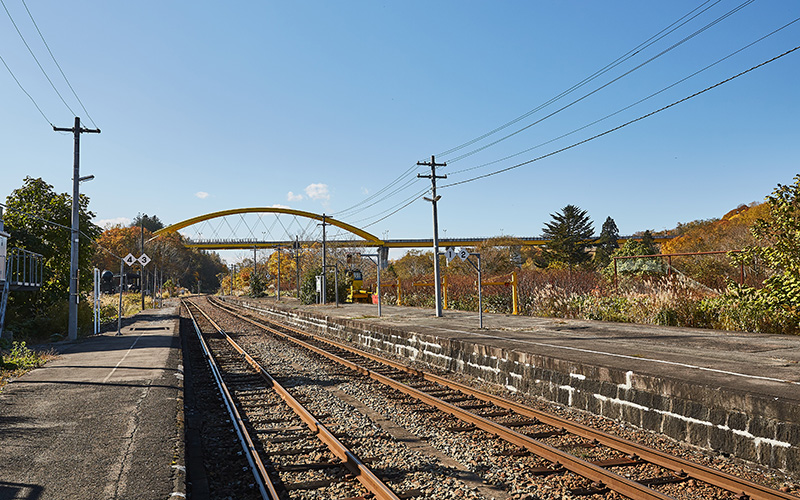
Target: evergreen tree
152, 224
569, 233
649, 243
606, 244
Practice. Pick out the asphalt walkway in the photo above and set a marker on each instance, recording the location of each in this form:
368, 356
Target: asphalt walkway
101, 421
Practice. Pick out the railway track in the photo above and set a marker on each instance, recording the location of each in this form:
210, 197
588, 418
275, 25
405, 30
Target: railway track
545, 446
290, 452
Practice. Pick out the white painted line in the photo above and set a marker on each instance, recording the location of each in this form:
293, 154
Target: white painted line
624, 356
123, 359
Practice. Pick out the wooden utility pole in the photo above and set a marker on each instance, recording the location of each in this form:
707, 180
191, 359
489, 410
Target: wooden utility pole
77, 130
437, 275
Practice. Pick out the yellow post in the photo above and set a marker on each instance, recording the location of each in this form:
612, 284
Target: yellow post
514, 293
444, 292
399, 293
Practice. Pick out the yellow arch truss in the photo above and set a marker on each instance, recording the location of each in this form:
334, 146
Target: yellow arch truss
368, 237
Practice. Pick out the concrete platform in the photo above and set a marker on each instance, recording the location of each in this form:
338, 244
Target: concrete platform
731, 392
101, 421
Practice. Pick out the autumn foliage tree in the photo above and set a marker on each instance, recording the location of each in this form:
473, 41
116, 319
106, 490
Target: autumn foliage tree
38, 220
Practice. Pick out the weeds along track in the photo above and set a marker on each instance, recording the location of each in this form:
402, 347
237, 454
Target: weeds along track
289, 452
523, 452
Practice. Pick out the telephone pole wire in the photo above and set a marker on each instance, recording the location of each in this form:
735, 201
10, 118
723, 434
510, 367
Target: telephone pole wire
437, 274
75, 233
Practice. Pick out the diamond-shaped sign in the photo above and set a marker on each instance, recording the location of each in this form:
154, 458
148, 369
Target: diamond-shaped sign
144, 259
463, 254
450, 253
129, 259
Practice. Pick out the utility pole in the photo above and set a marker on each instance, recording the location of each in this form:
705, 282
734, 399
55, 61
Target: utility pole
75, 232
437, 274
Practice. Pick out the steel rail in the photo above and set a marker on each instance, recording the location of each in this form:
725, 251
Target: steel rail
700, 472
265, 486
610, 479
360, 471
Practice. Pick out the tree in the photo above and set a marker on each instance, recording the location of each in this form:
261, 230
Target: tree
606, 244
569, 233
152, 224
39, 220
780, 233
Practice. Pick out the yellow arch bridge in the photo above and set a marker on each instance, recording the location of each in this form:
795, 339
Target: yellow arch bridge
239, 229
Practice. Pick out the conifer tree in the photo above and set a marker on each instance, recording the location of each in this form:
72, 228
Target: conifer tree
570, 232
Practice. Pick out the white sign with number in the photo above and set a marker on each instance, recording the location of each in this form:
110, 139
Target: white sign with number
129, 259
144, 259
450, 253
463, 254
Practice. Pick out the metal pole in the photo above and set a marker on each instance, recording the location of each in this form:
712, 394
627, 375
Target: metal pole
324, 267
141, 266
336, 282
119, 311
480, 295
279, 274
96, 295
297, 263
379, 284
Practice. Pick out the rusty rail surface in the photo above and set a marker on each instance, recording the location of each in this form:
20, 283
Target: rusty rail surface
360, 471
265, 486
741, 487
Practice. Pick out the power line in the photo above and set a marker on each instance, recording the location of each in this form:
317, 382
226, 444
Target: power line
58, 65
35, 58
623, 125
377, 193
631, 53
631, 105
648, 61
409, 201
25, 91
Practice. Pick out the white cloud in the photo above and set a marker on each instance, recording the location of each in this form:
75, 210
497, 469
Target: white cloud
201, 194
119, 221
294, 197
318, 192
278, 205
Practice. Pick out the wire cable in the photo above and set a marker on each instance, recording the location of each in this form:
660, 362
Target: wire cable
631, 105
672, 47
409, 201
35, 58
26, 92
623, 125
661, 34
58, 65
377, 193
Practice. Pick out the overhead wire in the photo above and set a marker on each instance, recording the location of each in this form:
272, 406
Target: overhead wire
456, 172
597, 136
36, 59
377, 193
58, 65
350, 211
658, 36
26, 92
665, 51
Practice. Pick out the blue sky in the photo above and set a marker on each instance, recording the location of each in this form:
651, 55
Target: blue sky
317, 105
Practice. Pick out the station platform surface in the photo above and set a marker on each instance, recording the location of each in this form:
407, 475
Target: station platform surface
759, 363
101, 421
